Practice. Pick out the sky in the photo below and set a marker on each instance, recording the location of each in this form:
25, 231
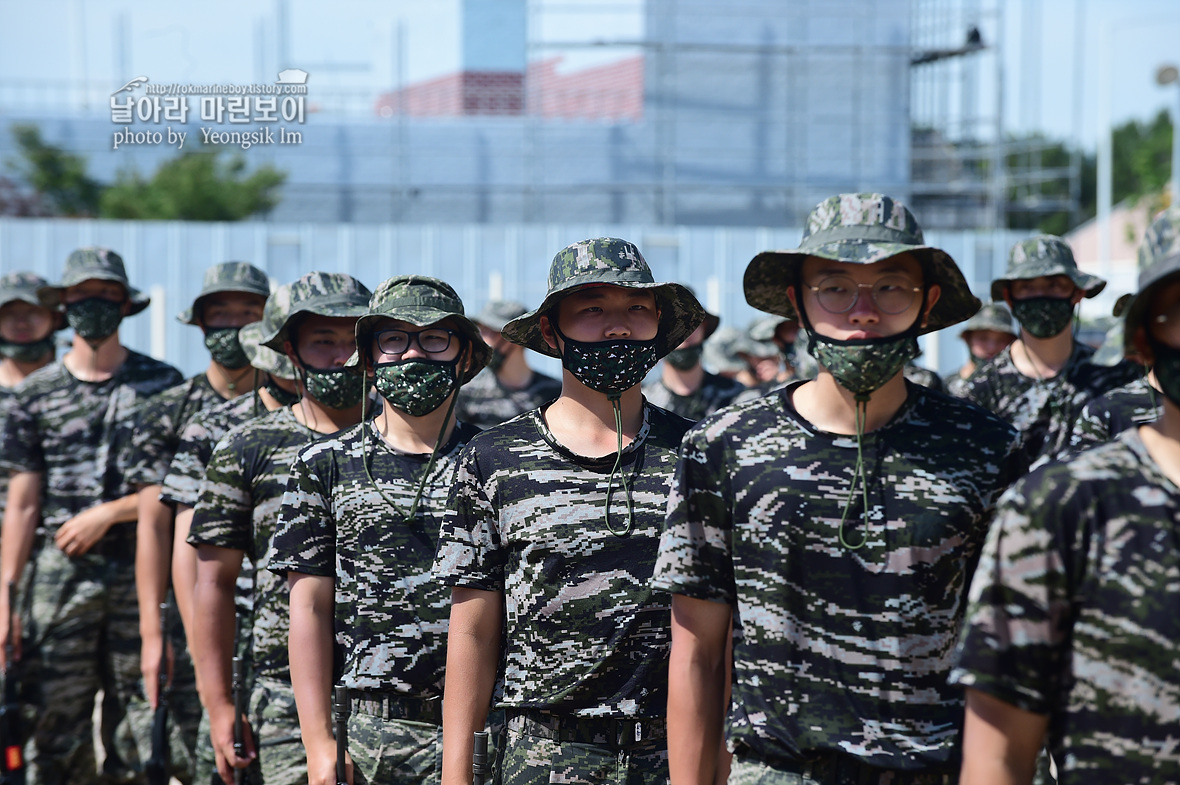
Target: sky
368, 45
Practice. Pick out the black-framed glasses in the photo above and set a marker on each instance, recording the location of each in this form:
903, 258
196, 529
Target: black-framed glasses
434, 340
892, 294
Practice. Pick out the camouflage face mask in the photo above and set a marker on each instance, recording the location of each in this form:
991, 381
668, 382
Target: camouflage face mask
1043, 317
864, 365
608, 367
94, 317
27, 352
416, 387
225, 348
336, 388
685, 358
1167, 369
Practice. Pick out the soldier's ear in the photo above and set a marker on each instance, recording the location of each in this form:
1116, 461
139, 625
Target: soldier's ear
933, 292
547, 331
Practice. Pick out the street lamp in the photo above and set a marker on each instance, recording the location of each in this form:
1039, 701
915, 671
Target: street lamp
1166, 75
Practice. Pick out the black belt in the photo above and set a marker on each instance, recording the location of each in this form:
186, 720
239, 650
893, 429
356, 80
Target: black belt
834, 767
395, 706
621, 733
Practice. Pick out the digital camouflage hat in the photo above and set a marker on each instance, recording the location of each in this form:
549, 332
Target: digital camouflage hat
720, 354
992, 316
421, 300
274, 316
860, 229
1045, 255
227, 277
763, 328
608, 260
322, 294
497, 313
712, 320
89, 263
22, 287
1159, 264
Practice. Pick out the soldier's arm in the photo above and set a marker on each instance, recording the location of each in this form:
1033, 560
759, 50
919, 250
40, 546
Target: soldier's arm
1000, 741
153, 557
213, 646
473, 651
184, 567
697, 671
21, 515
80, 533
310, 650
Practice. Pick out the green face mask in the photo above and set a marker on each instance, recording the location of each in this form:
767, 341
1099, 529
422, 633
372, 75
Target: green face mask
225, 348
685, 358
94, 317
27, 352
336, 388
1167, 369
416, 387
1043, 317
284, 398
862, 366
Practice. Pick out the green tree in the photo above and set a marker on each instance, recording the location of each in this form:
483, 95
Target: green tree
57, 177
1142, 159
195, 186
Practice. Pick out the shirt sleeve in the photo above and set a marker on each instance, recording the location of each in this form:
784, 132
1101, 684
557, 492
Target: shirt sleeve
1014, 636
695, 557
224, 512
20, 440
470, 551
305, 533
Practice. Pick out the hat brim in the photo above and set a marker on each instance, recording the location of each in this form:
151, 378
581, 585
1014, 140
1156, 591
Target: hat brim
770, 273
1164, 272
322, 306
263, 357
421, 316
680, 314
51, 296
188, 315
1090, 285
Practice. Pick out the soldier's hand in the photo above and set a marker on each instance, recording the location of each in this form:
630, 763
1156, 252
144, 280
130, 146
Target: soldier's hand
149, 665
79, 534
321, 766
221, 734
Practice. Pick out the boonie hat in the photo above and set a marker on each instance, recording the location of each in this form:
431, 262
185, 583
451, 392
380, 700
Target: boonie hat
1159, 264
1045, 254
608, 260
992, 316
421, 300
860, 229
719, 354
227, 277
22, 287
94, 262
322, 294
274, 315
497, 313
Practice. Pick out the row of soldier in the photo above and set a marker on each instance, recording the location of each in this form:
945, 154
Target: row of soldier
776, 594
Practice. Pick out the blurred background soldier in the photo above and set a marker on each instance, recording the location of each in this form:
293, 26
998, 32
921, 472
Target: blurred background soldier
986, 334
508, 386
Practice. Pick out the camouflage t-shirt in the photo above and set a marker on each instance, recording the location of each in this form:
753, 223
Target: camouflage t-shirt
158, 426
238, 509
200, 435
391, 615
838, 650
7, 399
585, 634
1108, 415
923, 376
485, 402
715, 391
954, 384
1044, 411
74, 433
1074, 613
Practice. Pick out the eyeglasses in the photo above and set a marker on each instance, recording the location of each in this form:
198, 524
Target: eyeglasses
435, 340
892, 294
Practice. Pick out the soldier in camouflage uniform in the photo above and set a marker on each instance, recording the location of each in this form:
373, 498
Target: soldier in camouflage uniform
232, 296
684, 387
551, 538
508, 386
236, 514
182, 485
1073, 627
358, 531
986, 334
835, 524
1042, 380
71, 509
